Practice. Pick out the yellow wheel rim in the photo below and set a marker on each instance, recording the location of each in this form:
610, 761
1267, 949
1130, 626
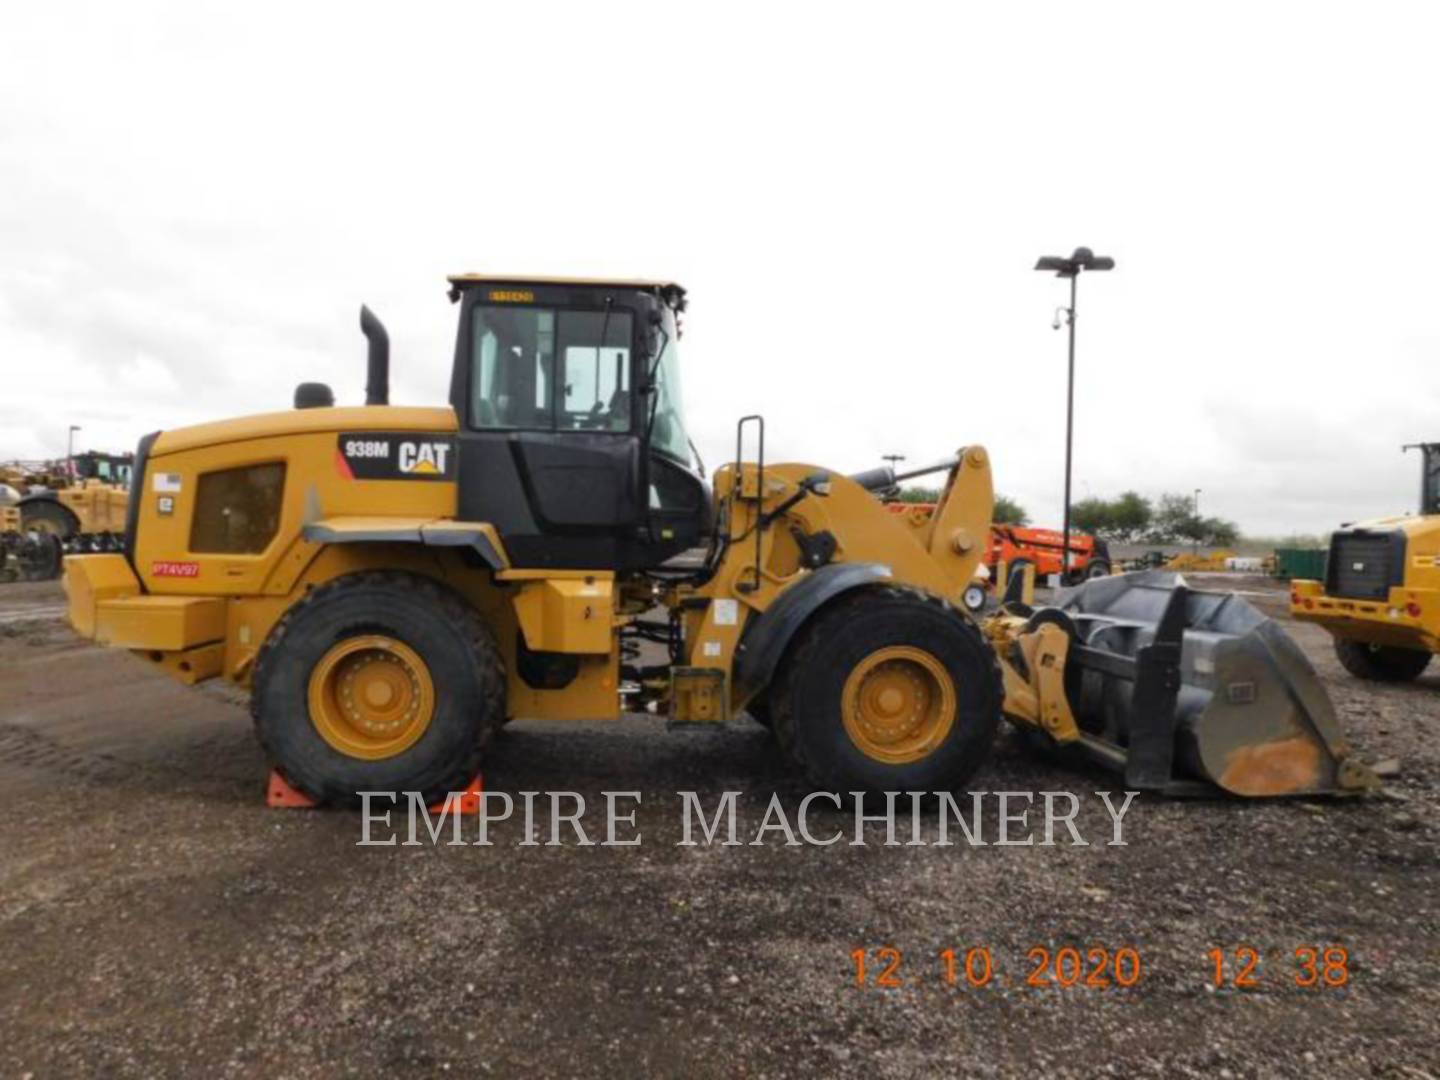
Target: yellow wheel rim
371, 697
898, 704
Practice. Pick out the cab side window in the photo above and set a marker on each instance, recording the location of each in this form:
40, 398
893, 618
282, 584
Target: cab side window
513, 359
594, 391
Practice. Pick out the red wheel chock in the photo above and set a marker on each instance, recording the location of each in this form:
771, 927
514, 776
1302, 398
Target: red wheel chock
463, 802
281, 796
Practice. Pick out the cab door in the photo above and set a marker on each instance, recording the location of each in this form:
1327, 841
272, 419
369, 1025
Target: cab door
549, 447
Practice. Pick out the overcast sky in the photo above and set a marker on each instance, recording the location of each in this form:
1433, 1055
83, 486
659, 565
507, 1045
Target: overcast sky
196, 198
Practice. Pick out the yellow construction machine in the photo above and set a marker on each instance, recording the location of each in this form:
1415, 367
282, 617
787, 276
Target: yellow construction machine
50, 509
1380, 599
1194, 562
394, 584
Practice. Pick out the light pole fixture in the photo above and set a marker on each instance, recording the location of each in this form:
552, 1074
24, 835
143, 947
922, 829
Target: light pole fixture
70, 450
1081, 259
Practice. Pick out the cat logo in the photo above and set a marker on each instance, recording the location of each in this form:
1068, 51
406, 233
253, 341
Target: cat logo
393, 455
423, 459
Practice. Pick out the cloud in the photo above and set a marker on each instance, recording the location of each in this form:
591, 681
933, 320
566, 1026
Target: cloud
195, 200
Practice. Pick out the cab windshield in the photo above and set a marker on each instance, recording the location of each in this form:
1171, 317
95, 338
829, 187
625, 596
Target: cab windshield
667, 433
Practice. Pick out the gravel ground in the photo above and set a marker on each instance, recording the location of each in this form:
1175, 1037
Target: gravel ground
156, 918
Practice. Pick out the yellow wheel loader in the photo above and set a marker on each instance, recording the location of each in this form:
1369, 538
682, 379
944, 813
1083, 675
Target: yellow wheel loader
394, 584
57, 508
1380, 599
87, 516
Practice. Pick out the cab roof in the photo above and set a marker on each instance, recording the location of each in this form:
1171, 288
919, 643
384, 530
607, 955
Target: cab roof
461, 281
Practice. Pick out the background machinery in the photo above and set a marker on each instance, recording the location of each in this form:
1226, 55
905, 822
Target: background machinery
393, 584
1380, 597
1014, 548
1044, 549
50, 509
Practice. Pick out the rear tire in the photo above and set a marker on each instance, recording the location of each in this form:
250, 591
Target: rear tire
390, 623
872, 647
1097, 568
1381, 663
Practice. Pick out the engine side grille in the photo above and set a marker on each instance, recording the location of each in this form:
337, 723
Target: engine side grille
1362, 565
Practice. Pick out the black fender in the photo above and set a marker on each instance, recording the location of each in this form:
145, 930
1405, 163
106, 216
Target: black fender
767, 636
137, 492
49, 497
474, 539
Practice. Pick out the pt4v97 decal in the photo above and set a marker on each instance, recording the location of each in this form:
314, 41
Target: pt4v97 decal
395, 455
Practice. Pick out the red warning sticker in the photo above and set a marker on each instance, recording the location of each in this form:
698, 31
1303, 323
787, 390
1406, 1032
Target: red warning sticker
166, 568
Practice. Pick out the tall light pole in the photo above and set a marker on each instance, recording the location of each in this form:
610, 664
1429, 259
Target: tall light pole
70, 450
1080, 259
1195, 509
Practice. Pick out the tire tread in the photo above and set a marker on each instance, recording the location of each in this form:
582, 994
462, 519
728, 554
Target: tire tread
490, 674
808, 650
1385, 664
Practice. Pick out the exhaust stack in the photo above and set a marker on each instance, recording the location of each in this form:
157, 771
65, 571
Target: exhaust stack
377, 374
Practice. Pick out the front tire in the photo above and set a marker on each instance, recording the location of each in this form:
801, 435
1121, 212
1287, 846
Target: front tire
378, 681
49, 517
888, 690
1381, 663
759, 710
40, 556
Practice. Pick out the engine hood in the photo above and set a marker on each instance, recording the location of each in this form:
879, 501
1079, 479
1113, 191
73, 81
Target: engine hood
1409, 524
305, 421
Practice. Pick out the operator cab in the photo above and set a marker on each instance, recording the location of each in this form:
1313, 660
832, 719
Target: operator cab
572, 436
107, 468
1429, 475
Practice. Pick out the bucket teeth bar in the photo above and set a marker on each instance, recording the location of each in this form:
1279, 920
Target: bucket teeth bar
1187, 691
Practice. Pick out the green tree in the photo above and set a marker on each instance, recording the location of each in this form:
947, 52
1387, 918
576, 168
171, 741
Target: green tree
1122, 519
1217, 532
1009, 512
1092, 515
919, 495
1175, 521
1130, 516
